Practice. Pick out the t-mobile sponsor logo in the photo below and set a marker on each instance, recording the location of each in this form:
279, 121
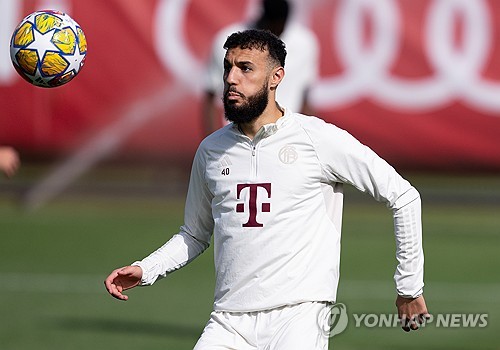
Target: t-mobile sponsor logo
252, 202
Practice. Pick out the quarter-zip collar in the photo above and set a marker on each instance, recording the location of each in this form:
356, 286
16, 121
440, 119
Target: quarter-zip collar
268, 129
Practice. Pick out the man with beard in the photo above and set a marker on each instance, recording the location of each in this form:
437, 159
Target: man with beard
302, 63
268, 187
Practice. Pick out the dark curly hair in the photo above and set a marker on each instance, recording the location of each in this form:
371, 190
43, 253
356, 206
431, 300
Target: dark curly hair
260, 40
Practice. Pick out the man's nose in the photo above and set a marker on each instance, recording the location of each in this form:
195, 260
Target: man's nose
231, 76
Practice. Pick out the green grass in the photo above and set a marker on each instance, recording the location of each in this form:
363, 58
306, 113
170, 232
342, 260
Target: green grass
53, 262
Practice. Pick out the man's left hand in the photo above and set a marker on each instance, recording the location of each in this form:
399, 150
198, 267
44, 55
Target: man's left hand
412, 312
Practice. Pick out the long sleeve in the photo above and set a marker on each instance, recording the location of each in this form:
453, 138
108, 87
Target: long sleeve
409, 275
176, 253
194, 236
344, 159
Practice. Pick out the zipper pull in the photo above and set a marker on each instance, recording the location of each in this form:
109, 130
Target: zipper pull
253, 151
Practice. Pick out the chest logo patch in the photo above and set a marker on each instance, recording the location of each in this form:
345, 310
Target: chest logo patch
252, 207
288, 154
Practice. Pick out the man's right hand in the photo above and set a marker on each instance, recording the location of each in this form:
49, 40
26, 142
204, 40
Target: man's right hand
122, 279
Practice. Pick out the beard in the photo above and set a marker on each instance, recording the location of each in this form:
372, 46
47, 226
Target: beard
249, 110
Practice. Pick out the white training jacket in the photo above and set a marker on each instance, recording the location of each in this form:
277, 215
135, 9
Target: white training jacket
274, 207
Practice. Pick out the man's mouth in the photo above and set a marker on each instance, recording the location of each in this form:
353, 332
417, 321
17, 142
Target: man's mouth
233, 95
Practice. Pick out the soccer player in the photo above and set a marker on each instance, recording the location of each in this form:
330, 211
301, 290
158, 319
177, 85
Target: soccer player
302, 63
268, 187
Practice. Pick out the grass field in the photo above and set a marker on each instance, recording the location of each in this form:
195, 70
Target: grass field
53, 262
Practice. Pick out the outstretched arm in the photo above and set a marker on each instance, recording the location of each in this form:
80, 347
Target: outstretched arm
174, 254
180, 250
191, 241
122, 279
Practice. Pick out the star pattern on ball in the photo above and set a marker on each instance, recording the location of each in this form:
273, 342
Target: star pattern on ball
42, 43
46, 52
76, 61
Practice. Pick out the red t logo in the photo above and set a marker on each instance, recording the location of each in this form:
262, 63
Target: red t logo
252, 202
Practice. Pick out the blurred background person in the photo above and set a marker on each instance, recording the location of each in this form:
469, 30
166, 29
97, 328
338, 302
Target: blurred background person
302, 66
9, 160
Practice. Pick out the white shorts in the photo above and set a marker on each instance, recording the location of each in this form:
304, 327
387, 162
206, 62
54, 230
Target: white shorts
296, 327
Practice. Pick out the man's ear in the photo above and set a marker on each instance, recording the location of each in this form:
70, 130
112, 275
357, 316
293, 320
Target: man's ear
277, 76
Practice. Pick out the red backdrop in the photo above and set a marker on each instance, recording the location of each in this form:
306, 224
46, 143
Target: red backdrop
418, 81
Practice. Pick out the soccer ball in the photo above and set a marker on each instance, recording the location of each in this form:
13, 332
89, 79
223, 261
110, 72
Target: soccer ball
48, 48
